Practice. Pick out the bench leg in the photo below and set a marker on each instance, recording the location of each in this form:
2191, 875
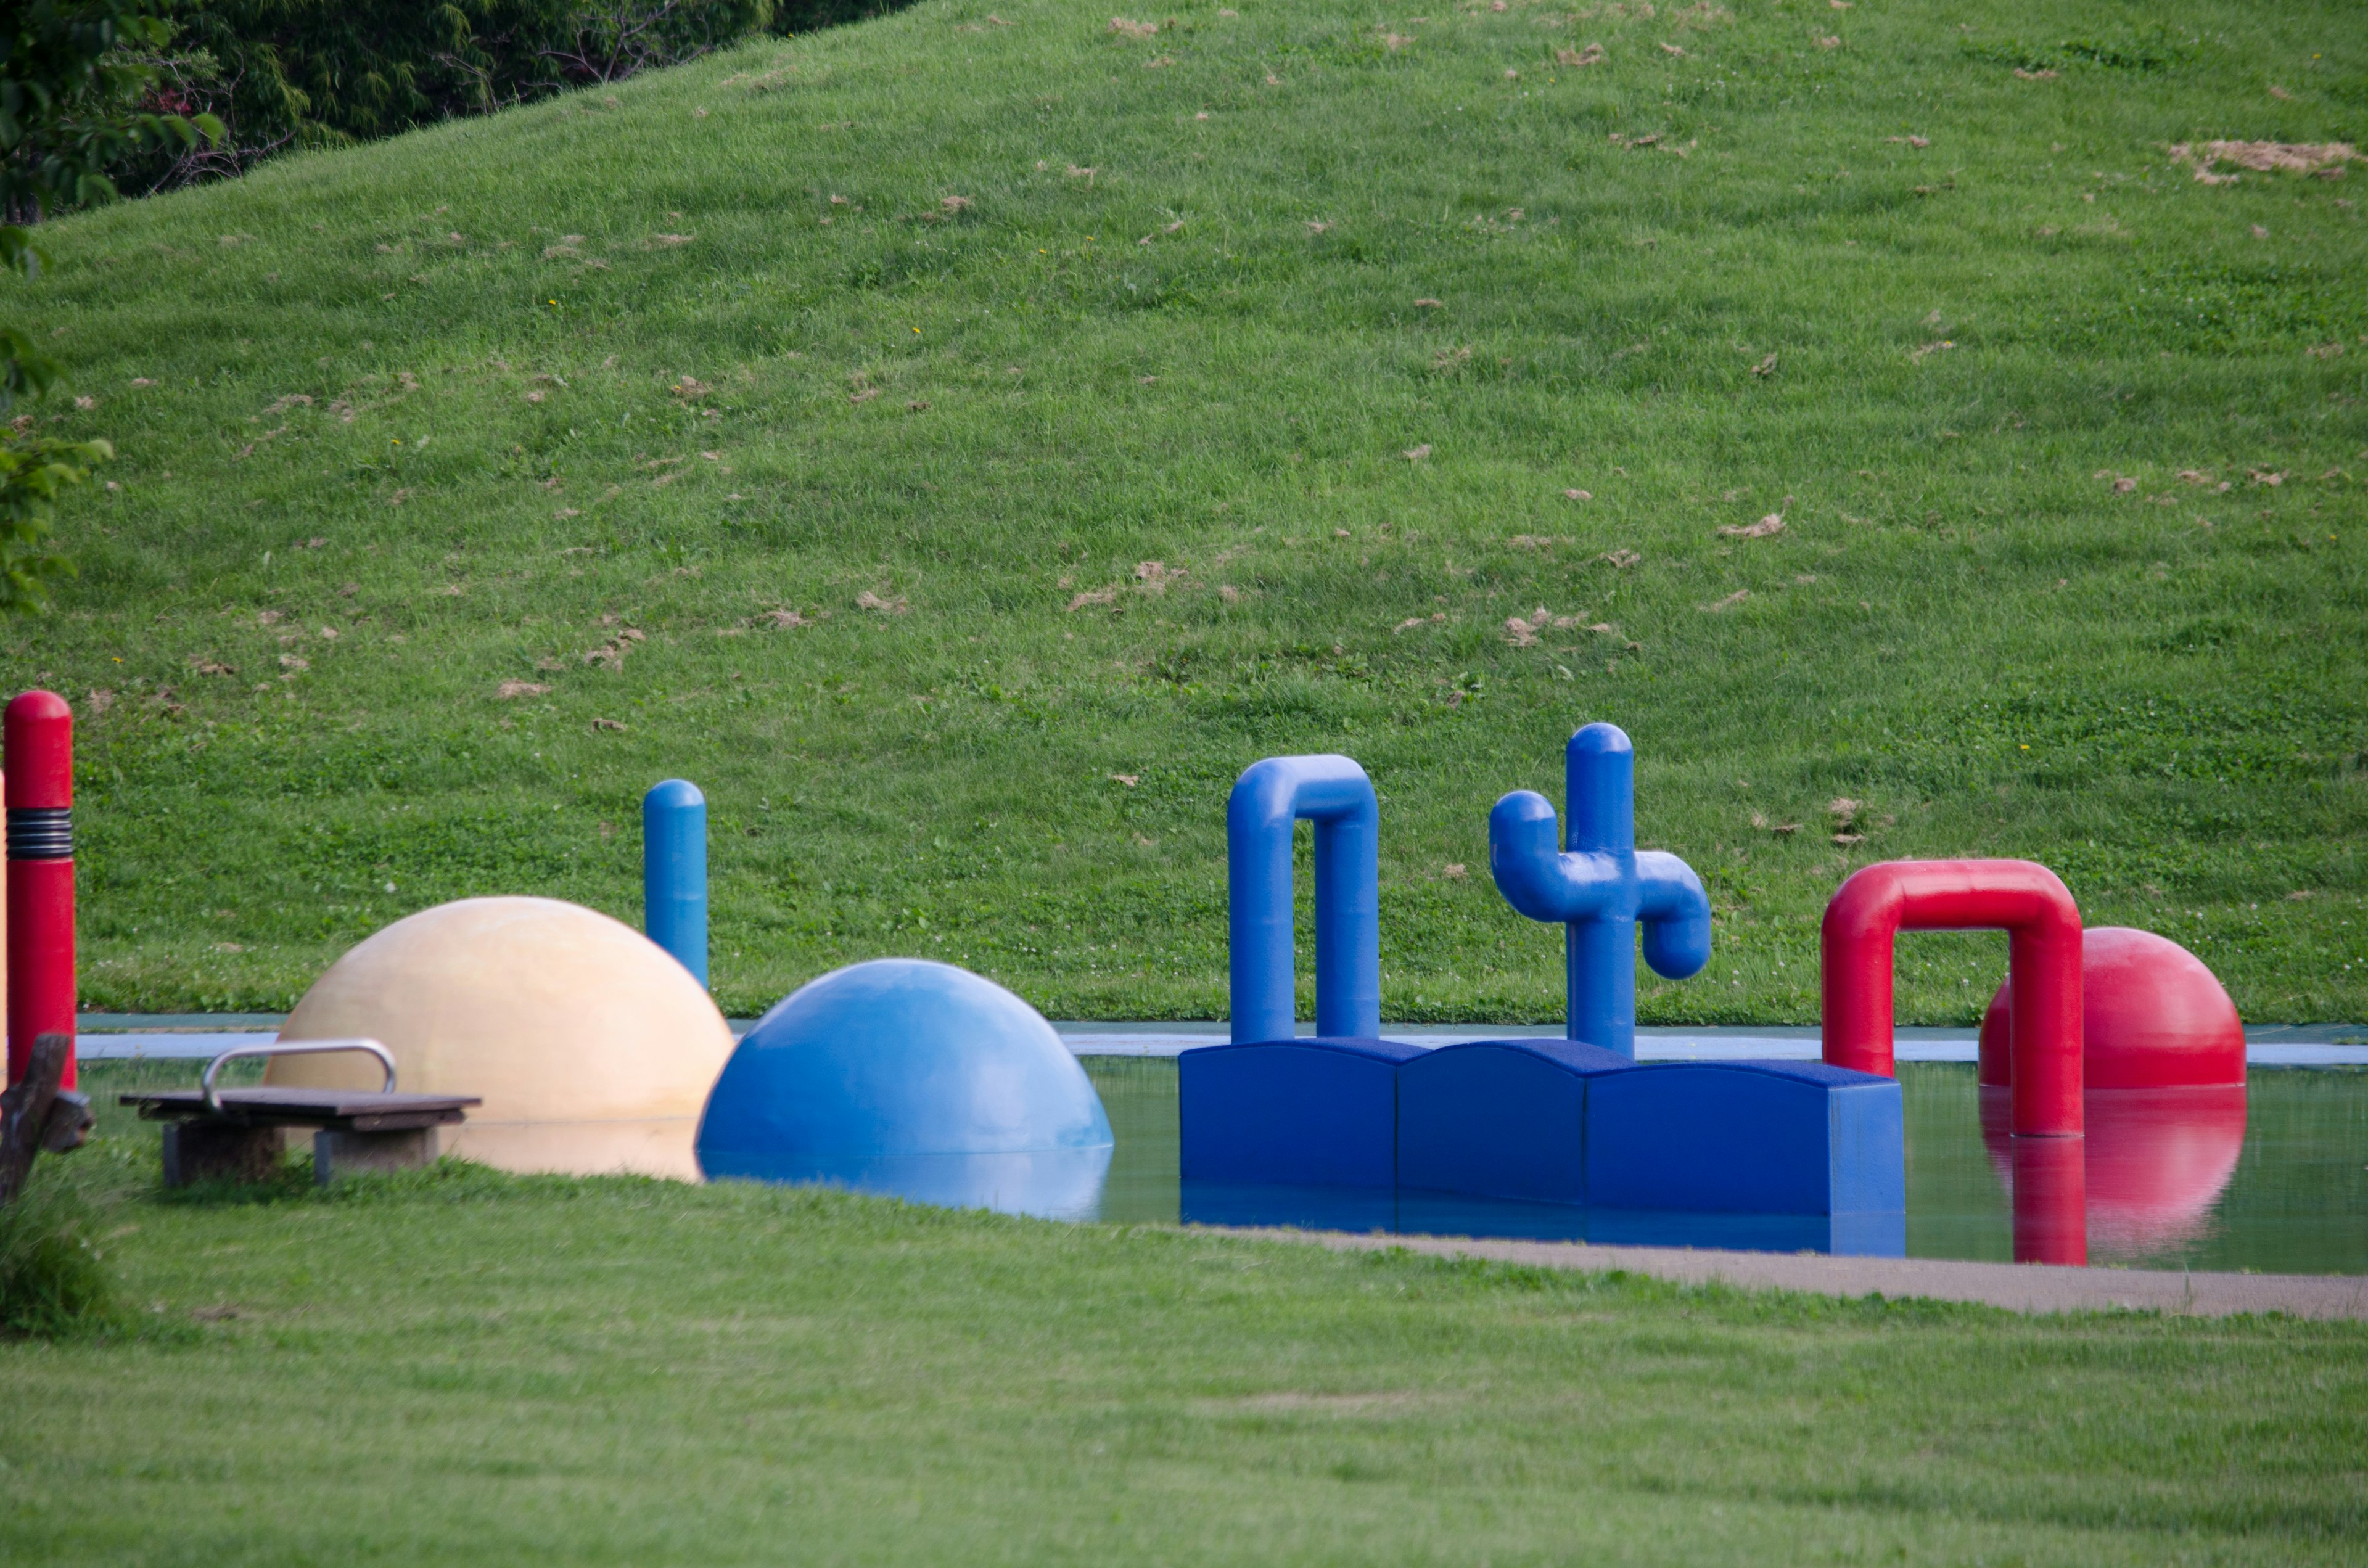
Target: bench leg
203, 1151
337, 1154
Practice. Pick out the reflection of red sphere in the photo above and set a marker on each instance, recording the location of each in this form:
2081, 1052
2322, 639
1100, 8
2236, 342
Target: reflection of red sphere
2154, 1162
1996, 1072
2154, 1017
2158, 1160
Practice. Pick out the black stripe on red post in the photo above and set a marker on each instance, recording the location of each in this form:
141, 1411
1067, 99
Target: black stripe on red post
40, 832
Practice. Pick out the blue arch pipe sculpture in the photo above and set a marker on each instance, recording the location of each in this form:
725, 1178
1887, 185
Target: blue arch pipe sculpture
1269, 797
674, 873
1600, 887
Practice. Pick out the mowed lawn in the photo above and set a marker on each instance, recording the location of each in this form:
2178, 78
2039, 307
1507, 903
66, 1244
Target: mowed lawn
464, 1367
963, 441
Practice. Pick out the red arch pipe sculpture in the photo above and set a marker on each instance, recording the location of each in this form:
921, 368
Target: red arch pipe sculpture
2042, 928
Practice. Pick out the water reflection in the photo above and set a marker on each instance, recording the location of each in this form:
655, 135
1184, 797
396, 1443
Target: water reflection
1411, 1212
2047, 1182
1049, 1184
2275, 1182
2144, 1181
2164, 1176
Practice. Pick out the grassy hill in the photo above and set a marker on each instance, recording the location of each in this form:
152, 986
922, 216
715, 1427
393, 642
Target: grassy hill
963, 441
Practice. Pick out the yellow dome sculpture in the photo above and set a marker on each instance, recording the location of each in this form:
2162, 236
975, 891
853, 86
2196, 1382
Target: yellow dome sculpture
592, 1048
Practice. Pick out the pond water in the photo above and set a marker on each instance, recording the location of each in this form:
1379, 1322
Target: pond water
2275, 1183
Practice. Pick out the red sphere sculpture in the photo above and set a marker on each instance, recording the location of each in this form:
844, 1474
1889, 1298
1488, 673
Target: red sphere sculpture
2153, 1018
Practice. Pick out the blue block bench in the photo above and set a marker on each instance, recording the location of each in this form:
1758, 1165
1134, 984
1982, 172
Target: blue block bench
1819, 1151
1500, 1118
1747, 1138
1313, 1112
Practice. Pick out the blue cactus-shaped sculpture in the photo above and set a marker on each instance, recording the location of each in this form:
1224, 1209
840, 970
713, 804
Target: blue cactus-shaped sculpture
1600, 887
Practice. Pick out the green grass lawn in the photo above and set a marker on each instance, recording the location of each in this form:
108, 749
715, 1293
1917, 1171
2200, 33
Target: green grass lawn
461, 1367
961, 442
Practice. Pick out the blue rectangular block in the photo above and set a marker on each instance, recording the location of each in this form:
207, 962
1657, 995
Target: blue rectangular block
1426, 1213
1747, 1138
1500, 1118
1312, 1112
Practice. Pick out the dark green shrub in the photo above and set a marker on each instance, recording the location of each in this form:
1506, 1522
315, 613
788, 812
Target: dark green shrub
70, 74
52, 1279
299, 73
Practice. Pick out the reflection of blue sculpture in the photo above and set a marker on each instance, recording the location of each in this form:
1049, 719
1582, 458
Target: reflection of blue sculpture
1413, 1212
1267, 798
917, 1078
1601, 888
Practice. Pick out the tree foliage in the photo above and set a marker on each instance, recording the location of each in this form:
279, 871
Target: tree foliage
311, 73
73, 74
34, 470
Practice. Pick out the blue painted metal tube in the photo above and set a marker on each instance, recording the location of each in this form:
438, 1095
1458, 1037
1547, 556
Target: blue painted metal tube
1674, 913
1598, 781
1269, 797
1600, 887
674, 873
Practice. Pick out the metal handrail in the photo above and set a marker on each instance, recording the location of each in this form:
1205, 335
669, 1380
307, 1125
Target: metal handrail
296, 1048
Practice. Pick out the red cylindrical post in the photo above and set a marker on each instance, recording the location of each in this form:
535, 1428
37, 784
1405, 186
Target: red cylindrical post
39, 735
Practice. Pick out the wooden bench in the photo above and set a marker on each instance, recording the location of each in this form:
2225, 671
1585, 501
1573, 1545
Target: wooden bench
239, 1133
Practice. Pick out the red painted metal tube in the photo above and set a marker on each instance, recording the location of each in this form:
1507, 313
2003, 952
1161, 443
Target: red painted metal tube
37, 734
2042, 927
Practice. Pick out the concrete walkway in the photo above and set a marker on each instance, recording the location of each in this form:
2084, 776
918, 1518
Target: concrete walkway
2019, 1287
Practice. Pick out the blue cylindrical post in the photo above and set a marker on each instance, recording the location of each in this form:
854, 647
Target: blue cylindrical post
674, 873
1599, 775
1600, 948
1268, 798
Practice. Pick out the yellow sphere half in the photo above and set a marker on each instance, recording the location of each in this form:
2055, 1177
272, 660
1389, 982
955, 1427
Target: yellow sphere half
569, 1025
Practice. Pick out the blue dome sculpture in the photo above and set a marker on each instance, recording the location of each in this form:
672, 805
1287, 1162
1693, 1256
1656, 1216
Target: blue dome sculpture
915, 1079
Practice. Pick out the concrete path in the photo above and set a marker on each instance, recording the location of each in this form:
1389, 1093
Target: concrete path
2020, 1287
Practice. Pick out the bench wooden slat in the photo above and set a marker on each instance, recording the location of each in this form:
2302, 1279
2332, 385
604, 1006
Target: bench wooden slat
366, 1110
397, 1122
